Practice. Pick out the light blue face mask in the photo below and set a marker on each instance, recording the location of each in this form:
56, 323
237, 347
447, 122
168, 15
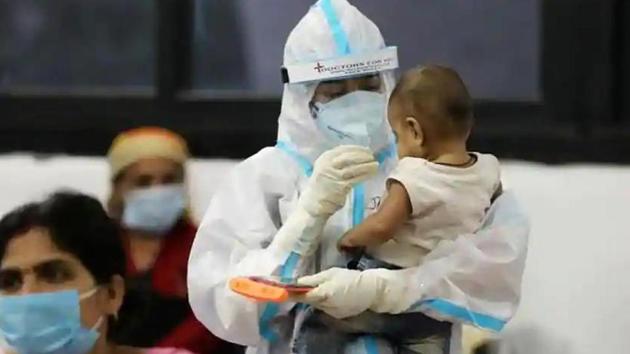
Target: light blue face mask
154, 210
46, 323
353, 119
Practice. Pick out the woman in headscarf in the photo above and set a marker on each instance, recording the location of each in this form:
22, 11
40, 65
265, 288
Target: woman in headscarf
150, 202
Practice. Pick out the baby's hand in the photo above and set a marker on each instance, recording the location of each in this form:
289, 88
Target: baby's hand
345, 245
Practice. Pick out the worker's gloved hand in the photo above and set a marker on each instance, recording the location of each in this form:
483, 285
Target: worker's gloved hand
334, 174
343, 293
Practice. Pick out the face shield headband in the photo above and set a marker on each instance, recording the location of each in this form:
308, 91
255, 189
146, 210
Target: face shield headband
342, 68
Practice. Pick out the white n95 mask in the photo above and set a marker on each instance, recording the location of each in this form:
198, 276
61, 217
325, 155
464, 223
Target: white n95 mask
353, 119
155, 209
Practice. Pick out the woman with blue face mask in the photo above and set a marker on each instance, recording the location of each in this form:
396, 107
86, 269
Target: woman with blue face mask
148, 197
61, 278
149, 201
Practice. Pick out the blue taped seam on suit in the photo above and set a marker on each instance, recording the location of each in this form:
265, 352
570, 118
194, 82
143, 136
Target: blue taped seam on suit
287, 269
358, 214
358, 204
271, 309
286, 274
341, 39
268, 314
386, 153
449, 309
370, 345
301, 160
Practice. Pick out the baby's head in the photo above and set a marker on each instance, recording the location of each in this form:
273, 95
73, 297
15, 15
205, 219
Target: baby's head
431, 112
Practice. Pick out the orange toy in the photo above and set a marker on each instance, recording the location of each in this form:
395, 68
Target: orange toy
264, 290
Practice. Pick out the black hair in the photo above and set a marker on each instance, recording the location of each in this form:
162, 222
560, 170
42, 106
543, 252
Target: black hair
77, 224
443, 90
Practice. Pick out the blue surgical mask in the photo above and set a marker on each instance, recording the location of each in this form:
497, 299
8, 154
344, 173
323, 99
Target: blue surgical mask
47, 323
155, 209
353, 119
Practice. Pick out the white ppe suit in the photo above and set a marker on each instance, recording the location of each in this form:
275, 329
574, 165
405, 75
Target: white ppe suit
474, 279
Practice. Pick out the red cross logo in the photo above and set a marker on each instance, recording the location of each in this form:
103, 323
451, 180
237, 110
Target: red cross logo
319, 67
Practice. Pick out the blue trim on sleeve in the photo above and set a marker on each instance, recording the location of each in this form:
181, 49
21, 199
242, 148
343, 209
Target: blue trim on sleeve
449, 309
371, 347
341, 39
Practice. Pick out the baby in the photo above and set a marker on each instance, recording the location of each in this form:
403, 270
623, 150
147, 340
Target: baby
438, 191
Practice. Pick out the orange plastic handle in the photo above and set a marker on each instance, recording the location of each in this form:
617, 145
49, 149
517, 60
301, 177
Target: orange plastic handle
258, 291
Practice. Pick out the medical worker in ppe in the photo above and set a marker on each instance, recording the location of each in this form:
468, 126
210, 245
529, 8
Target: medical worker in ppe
282, 211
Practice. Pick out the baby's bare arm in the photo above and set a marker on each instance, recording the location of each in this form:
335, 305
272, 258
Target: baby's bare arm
381, 226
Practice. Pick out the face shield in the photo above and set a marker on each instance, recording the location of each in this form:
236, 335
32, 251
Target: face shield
337, 76
350, 100
345, 67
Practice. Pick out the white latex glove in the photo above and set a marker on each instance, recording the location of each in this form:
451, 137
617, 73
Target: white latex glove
343, 293
334, 174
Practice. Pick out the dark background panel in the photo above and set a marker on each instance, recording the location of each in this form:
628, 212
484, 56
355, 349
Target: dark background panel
624, 63
576, 51
76, 44
494, 44
578, 64
219, 59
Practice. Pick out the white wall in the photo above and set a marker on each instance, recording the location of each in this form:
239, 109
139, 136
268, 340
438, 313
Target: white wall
575, 290
24, 178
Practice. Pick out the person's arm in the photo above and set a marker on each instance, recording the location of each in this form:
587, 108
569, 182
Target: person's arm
229, 243
381, 226
476, 278
243, 234
473, 279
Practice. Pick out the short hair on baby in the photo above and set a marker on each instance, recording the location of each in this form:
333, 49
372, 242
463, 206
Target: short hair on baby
440, 95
